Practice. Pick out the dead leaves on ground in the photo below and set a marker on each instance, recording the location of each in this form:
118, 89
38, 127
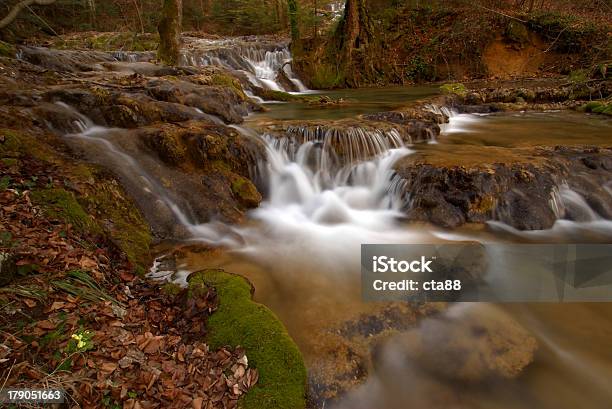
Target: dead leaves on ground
148, 349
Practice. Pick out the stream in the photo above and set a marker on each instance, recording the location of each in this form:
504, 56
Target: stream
301, 247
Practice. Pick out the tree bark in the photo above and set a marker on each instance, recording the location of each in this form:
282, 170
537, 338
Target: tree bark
356, 27
292, 6
12, 15
170, 32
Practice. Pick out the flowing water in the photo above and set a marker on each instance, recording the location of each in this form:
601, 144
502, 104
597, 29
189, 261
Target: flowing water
301, 246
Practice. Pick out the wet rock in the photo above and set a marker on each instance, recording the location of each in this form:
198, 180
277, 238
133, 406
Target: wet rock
64, 60
538, 94
285, 82
224, 102
57, 118
201, 144
452, 196
519, 194
148, 69
470, 344
123, 110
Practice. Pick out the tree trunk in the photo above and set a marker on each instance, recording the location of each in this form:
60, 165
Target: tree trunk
292, 6
356, 28
12, 15
170, 32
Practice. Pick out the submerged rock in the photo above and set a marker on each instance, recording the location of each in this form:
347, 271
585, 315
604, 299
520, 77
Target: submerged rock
470, 344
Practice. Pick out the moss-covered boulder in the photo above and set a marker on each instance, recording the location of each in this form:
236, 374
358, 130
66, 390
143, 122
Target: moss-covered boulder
241, 321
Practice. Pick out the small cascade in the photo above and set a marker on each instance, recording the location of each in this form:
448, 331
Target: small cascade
158, 202
340, 145
266, 65
318, 208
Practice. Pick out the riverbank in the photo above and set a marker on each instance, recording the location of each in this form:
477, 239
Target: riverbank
77, 310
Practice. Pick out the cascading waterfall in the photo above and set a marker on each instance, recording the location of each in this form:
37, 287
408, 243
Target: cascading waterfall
263, 64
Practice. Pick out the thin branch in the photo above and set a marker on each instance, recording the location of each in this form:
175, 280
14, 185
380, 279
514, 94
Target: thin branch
17, 8
500, 13
43, 21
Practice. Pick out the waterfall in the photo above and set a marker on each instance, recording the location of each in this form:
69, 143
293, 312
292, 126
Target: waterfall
264, 64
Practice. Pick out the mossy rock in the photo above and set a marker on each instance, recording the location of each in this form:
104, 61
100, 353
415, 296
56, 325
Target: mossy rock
241, 321
10, 142
223, 80
7, 50
125, 224
62, 205
126, 41
14, 144
326, 77
245, 192
455, 88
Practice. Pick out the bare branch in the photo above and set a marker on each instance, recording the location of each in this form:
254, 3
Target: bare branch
12, 15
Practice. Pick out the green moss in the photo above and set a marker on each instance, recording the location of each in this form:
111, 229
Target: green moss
62, 205
11, 142
245, 191
14, 143
171, 289
272, 95
223, 80
326, 77
10, 161
124, 223
455, 88
598, 107
241, 321
517, 32
7, 50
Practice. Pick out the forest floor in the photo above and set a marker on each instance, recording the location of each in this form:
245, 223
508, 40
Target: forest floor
76, 316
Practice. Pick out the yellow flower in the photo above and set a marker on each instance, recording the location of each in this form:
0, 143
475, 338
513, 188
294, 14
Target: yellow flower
79, 339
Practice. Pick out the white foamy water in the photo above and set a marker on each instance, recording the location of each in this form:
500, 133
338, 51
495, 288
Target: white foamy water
319, 210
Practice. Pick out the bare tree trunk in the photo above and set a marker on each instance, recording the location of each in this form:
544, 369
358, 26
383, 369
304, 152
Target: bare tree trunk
12, 15
292, 6
356, 29
92, 13
316, 29
170, 32
137, 7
